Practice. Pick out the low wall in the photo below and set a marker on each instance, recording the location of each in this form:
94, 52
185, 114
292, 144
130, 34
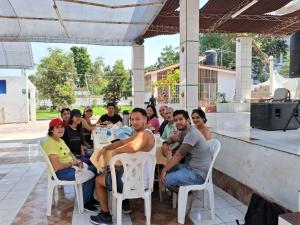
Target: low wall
232, 107
268, 171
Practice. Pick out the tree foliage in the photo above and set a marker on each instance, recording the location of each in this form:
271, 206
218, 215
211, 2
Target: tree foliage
223, 44
285, 69
271, 46
83, 64
168, 56
55, 78
172, 78
96, 77
116, 78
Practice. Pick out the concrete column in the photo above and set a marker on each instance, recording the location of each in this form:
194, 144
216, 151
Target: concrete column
189, 53
272, 75
243, 69
138, 82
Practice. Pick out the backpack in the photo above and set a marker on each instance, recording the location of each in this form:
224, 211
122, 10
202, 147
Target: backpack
262, 212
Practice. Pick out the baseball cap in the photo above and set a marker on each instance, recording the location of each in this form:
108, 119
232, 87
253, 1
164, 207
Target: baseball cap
75, 112
55, 122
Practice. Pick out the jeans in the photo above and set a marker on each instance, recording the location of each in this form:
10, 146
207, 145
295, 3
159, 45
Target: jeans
108, 180
181, 175
87, 187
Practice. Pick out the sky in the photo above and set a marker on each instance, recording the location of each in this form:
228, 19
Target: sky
153, 48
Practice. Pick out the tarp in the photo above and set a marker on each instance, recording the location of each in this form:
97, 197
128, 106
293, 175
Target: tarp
105, 22
15, 55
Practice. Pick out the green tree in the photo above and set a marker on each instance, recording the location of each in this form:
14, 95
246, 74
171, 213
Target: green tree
285, 68
271, 46
168, 56
127, 85
224, 44
116, 76
172, 78
83, 64
55, 78
96, 78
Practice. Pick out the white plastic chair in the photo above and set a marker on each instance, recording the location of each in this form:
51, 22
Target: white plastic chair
215, 147
133, 182
53, 181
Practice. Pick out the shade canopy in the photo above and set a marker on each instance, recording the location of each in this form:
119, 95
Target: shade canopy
103, 22
15, 55
273, 17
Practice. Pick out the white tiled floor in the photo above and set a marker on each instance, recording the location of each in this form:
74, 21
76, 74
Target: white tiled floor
228, 209
16, 186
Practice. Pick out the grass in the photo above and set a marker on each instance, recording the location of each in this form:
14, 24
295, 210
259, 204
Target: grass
43, 114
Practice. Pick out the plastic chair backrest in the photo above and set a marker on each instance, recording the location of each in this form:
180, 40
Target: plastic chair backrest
133, 177
214, 146
50, 167
281, 94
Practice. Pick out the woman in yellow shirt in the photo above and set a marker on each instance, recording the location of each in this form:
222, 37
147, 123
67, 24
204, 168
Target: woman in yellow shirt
62, 161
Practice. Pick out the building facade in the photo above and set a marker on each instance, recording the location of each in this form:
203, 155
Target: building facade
211, 81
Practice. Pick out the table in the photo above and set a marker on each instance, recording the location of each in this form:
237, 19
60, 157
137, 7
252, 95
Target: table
104, 161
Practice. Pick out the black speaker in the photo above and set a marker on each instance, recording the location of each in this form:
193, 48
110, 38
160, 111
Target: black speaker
295, 55
274, 115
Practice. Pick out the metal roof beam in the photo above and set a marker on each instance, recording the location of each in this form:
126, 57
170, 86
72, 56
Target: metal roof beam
71, 20
229, 14
112, 6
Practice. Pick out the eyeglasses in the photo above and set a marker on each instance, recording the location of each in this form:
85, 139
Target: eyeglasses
89, 110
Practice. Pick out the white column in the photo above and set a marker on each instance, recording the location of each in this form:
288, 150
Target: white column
189, 53
272, 75
243, 69
138, 82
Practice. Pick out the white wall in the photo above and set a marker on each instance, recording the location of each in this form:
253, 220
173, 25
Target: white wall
268, 171
226, 84
14, 103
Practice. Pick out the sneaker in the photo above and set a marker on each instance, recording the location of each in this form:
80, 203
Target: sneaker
101, 218
90, 207
94, 202
126, 206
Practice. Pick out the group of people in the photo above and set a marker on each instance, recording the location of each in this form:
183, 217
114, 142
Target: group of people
190, 162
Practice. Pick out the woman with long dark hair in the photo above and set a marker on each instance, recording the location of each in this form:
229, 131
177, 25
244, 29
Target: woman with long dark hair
153, 122
199, 119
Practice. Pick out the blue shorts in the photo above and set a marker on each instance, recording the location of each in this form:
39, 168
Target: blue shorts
181, 175
108, 181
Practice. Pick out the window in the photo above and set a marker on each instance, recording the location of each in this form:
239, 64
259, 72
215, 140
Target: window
207, 86
2, 86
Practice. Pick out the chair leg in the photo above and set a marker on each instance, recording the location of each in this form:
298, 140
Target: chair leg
119, 211
113, 206
79, 198
148, 209
160, 191
205, 199
211, 200
190, 203
50, 191
174, 198
182, 201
